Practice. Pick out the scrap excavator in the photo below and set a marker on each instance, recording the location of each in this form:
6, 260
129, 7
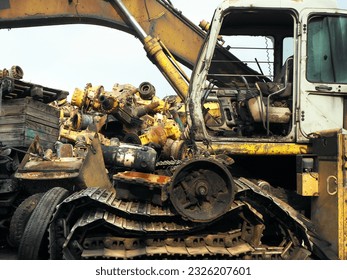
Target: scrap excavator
263, 178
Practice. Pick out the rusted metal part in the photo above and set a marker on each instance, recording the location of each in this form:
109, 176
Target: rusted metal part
132, 185
202, 190
16, 72
81, 121
136, 120
98, 197
136, 230
147, 91
193, 246
121, 103
44, 170
87, 99
155, 134
145, 109
13, 88
130, 156
299, 224
93, 172
258, 148
174, 149
88, 171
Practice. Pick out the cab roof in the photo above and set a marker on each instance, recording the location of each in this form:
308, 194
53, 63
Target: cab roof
294, 4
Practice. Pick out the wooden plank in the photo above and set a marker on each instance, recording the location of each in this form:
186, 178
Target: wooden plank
11, 135
43, 115
46, 141
29, 137
11, 128
42, 127
15, 143
12, 139
12, 109
12, 120
22, 119
41, 106
48, 121
28, 106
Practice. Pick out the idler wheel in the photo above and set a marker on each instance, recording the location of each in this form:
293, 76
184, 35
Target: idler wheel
202, 190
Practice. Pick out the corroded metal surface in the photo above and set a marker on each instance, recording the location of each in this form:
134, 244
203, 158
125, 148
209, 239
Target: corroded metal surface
202, 189
103, 226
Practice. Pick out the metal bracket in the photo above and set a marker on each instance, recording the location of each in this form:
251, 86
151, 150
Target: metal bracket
329, 187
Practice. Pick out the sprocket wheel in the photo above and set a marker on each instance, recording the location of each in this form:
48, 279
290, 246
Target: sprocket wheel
202, 190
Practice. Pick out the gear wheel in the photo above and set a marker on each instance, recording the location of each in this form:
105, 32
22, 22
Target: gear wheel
79, 98
202, 190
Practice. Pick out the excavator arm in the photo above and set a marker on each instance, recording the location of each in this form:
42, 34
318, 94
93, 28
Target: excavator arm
156, 17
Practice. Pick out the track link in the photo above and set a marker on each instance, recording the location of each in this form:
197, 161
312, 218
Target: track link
94, 224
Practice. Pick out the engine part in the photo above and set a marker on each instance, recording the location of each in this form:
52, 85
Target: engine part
201, 190
88, 98
78, 98
120, 103
146, 90
131, 138
145, 109
155, 134
81, 121
174, 149
159, 134
260, 113
130, 156
16, 72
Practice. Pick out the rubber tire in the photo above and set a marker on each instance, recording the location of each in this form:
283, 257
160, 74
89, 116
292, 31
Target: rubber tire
21, 217
34, 243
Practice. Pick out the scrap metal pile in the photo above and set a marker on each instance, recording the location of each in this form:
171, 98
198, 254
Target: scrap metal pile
111, 175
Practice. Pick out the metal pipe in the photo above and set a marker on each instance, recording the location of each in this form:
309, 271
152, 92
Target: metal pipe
137, 27
158, 54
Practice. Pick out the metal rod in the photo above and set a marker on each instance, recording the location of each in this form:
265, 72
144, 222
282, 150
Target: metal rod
137, 27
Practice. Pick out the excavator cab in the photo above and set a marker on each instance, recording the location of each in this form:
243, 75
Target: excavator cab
284, 86
285, 53
258, 101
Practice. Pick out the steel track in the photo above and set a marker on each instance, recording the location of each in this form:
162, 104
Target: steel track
93, 224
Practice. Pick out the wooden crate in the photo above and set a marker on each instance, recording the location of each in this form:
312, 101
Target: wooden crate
22, 119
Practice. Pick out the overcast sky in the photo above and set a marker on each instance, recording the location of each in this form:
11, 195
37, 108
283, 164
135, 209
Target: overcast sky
66, 57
